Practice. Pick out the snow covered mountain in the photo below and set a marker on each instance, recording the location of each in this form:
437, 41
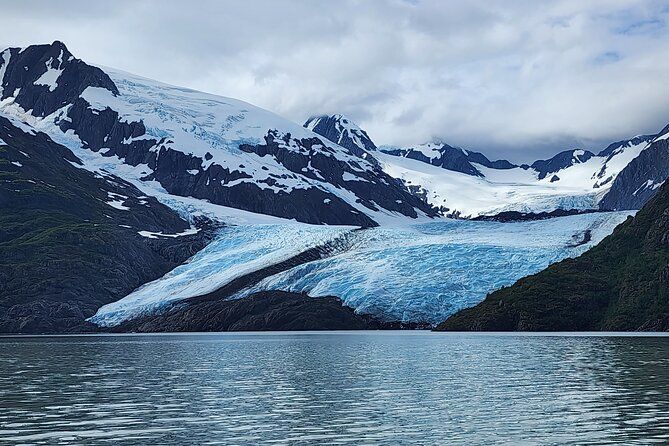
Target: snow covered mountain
447, 157
640, 180
198, 145
562, 160
292, 200
342, 131
467, 184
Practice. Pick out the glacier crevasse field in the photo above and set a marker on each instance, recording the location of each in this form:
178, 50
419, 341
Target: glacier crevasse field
421, 273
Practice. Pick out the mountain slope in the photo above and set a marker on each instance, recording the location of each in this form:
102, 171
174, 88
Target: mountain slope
467, 184
449, 158
560, 161
639, 180
71, 240
198, 145
620, 284
618, 146
342, 131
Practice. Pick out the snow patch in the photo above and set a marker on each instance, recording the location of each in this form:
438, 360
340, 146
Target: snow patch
662, 137
149, 234
649, 184
117, 201
347, 176
50, 77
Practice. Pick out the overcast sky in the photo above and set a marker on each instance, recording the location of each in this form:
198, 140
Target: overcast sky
518, 79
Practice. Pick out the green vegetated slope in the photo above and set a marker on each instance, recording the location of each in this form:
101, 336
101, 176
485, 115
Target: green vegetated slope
621, 284
69, 239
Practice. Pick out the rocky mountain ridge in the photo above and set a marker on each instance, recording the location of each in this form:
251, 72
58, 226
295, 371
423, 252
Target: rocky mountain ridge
198, 145
624, 175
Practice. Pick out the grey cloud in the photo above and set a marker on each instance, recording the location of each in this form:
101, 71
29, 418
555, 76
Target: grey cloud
517, 79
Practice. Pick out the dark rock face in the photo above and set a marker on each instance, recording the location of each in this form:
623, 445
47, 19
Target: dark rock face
173, 167
340, 130
640, 179
270, 310
622, 284
26, 67
510, 216
64, 249
375, 188
560, 161
452, 158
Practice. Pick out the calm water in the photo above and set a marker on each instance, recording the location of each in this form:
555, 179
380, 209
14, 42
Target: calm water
334, 388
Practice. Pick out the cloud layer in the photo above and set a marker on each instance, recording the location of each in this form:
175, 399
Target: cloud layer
518, 79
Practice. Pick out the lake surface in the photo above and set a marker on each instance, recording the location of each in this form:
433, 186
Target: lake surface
413, 388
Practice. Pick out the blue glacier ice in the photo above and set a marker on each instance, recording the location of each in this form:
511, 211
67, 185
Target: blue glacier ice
236, 251
427, 272
421, 272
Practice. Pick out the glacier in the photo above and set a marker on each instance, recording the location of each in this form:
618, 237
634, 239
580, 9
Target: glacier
415, 272
237, 250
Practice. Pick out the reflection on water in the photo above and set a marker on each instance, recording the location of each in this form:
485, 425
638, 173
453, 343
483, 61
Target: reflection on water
334, 388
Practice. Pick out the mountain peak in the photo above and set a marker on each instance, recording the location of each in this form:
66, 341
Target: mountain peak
336, 119
561, 161
341, 130
43, 78
56, 47
254, 160
58, 44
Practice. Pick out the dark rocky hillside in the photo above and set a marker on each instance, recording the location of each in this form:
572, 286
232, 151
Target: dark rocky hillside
69, 239
270, 310
621, 284
639, 180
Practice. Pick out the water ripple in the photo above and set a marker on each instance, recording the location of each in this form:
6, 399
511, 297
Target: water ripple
334, 388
